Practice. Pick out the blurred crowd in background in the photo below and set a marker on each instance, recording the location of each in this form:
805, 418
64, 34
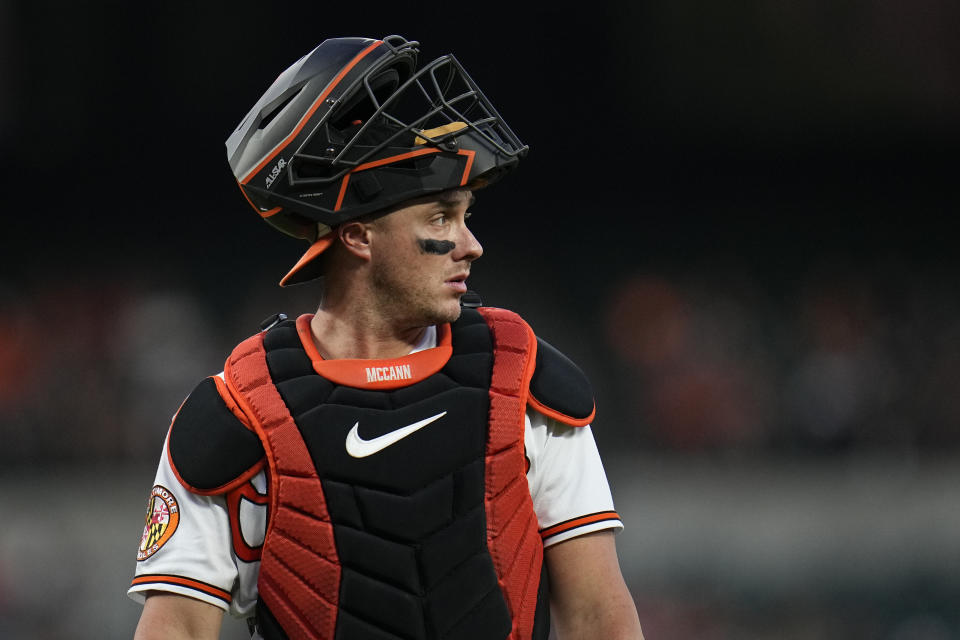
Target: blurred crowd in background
851, 356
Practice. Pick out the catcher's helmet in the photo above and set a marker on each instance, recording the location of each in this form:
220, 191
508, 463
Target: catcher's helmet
354, 127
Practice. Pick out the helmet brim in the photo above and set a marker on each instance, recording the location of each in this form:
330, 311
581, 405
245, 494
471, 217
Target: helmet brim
308, 267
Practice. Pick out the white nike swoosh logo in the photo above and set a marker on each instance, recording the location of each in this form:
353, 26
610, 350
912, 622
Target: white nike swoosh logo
360, 448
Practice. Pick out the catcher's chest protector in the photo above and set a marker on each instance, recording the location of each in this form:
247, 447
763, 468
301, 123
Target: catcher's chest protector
399, 509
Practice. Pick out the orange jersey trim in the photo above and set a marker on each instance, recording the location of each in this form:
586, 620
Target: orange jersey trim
567, 525
180, 581
316, 104
234, 499
387, 373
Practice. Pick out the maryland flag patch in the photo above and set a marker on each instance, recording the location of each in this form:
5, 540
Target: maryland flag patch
163, 516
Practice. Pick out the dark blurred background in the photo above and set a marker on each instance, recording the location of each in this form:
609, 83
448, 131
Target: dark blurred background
737, 217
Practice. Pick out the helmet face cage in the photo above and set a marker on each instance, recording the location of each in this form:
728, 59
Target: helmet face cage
391, 134
446, 93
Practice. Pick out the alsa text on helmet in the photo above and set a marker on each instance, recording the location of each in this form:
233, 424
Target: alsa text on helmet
276, 171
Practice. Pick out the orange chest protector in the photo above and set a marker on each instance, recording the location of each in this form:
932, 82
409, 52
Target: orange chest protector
402, 510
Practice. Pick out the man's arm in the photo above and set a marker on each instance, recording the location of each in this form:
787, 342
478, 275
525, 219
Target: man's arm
168, 616
588, 596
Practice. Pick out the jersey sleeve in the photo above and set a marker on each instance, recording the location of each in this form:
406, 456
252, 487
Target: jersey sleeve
571, 496
188, 547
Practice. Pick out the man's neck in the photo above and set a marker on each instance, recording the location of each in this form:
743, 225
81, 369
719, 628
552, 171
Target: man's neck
337, 337
355, 320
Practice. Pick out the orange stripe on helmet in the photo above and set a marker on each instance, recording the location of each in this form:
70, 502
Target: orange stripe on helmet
316, 104
397, 158
376, 163
466, 170
274, 211
392, 159
343, 192
264, 214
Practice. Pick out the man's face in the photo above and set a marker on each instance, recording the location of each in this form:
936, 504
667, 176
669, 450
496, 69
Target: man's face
420, 258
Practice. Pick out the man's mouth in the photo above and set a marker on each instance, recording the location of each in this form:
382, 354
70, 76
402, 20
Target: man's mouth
458, 282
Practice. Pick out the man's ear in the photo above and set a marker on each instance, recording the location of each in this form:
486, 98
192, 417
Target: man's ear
355, 237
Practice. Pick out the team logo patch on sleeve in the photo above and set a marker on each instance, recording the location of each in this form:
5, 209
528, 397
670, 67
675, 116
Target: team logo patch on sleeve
163, 516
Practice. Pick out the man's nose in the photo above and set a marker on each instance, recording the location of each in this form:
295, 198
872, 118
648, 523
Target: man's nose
468, 248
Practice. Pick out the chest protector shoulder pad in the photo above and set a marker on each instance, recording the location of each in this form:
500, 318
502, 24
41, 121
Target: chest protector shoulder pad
211, 446
559, 388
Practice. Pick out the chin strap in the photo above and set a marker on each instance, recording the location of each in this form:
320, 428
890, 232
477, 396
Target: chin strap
471, 300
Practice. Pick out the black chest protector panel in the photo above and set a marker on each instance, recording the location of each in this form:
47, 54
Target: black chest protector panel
402, 472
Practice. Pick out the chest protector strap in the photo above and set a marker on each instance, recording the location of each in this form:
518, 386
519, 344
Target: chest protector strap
301, 548
300, 573
512, 530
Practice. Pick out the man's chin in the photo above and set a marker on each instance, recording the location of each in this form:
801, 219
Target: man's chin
448, 312
452, 314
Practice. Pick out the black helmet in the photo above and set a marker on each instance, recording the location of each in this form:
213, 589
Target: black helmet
354, 127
